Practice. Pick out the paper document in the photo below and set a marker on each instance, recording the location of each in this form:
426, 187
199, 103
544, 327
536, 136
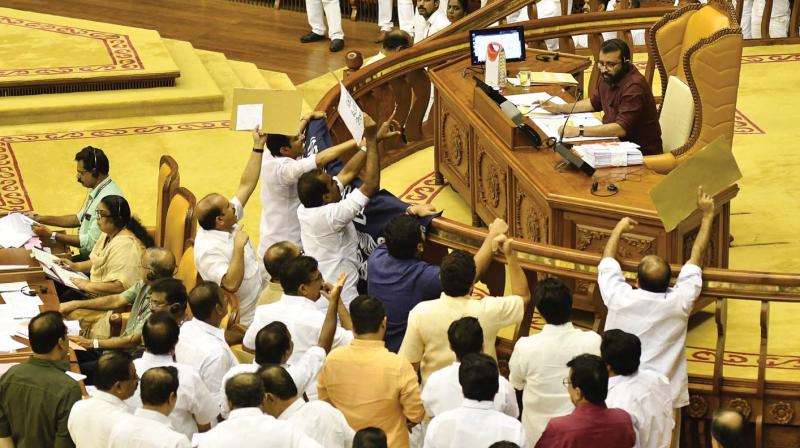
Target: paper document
600, 155
248, 116
351, 114
12, 287
14, 298
75, 376
5, 366
547, 78
525, 102
550, 125
73, 327
8, 345
12, 267
15, 230
18, 311
55, 271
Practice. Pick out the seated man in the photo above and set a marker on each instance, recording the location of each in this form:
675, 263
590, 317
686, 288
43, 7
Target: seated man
475, 423
93, 170
426, 345
394, 41
642, 393
428, 20
399, 278
150, 425
326, 220
223, 253
443, 393
195, 407
538, 363
369, 384
248, 425
591, 423
624, 96
317, 419
35, 395
201, 343
275, 258
91, 420
727, 429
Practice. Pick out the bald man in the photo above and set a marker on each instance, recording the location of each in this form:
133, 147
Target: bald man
275, 258
223, 253
727, 429
654, 312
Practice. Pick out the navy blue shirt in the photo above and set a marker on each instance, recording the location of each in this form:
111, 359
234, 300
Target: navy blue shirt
400, 285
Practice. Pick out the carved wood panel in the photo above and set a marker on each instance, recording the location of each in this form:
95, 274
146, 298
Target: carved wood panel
531, 216
593, 239
453, 146
711, 256
491, 181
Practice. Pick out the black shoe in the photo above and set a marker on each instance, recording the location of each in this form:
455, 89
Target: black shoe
337, 45
311, 37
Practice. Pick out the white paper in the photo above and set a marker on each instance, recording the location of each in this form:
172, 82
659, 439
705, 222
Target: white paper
13, 298
11, 267
248, 116
351, 114
15, 230
5, 366
18, 311
55, 271
8, 345
75, 376
73, 327
12, 287
550, 125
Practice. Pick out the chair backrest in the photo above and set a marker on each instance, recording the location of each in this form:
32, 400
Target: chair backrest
180, 225
233, 311
187, 270
168, 182
677, 114
703, 24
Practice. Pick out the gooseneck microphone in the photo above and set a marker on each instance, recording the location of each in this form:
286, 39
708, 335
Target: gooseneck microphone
510, 110
564, 149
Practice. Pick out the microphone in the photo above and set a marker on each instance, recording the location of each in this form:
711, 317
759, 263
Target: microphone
564, 149
510, 110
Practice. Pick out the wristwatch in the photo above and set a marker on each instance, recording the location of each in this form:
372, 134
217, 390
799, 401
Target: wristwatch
580, 130
53, 236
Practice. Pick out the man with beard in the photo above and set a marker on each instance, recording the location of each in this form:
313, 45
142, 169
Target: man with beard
624, 96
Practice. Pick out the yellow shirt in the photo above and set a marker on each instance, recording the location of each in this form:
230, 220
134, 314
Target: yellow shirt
119, 259
271, 294
426, 340
372, 387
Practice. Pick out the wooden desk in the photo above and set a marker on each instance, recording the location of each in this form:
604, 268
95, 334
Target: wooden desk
545, 205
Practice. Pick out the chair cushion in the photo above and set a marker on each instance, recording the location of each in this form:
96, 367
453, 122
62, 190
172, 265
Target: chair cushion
677, 114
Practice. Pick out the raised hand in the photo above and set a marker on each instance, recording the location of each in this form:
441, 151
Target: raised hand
498, 227
705, 202
389, 128
626, 224
259, 138
241, 238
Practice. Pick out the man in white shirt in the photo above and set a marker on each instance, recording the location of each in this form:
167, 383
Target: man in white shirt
430, 19
476, 423
195, 407
201, 343
326, 220
657, 314
150, 426
644, 394
442, 392
538, 363
223, 253
393, 41
90, 421
425, 343
247, 425
317, 419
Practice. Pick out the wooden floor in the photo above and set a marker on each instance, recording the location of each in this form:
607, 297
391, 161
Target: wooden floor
259, 34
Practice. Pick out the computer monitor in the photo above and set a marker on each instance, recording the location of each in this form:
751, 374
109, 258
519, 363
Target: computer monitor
511, 38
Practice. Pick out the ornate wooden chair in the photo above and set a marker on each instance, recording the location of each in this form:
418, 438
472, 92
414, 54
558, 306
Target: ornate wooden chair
180, 224
168, 181
702, 46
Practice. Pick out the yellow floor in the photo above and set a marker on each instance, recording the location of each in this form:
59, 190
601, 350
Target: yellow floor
37, 171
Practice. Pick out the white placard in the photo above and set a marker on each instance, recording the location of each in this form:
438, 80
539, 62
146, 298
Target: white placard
248, 116
351, 114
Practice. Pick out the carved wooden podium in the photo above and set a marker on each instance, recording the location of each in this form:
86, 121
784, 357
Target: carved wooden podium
544, 204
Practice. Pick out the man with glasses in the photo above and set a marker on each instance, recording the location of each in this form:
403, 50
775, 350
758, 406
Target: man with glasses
624, 96
92, 173
90, 421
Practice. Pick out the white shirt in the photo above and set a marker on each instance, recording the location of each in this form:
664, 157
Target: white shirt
320, 421
658, 319
90, 421
442, 392
424, 28
213, 251
304, 373
279, 201
203, 347
645, 395
328, 235
538, 366
195, 402
475, 424
251, 428
146, 429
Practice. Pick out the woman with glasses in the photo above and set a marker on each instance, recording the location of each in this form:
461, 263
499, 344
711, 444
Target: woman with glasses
114, 263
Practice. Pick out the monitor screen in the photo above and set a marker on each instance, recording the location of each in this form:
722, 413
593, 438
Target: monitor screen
512, 39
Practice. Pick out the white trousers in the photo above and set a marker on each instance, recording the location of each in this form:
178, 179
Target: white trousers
405, 15
778, 21
385, 15
318, 11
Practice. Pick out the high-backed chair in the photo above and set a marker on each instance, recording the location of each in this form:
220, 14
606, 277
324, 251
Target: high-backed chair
187, 270
180, 224
702, 46
168, 182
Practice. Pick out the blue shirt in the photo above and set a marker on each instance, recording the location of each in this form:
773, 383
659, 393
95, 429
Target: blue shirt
400, 285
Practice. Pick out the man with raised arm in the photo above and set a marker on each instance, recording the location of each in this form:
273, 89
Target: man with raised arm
657, 314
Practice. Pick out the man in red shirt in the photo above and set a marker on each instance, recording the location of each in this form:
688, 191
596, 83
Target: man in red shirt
624, 96
591, 424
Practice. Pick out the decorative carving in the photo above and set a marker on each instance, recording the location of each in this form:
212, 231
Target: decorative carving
491, 183
698, 407
531, 221
453, 143
782, 412
593, 240
710, 255
741, 405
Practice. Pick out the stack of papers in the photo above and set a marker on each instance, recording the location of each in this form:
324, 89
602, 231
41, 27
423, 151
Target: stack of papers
54, 270
601, 155
15, 230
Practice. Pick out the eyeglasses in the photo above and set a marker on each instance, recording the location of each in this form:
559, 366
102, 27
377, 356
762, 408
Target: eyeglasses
605, 64
99, 213
565, 382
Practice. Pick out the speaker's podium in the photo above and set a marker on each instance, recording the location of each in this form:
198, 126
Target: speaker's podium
498, 172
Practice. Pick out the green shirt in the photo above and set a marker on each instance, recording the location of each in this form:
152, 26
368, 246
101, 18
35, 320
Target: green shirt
138, 296
36, 397
90, 231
